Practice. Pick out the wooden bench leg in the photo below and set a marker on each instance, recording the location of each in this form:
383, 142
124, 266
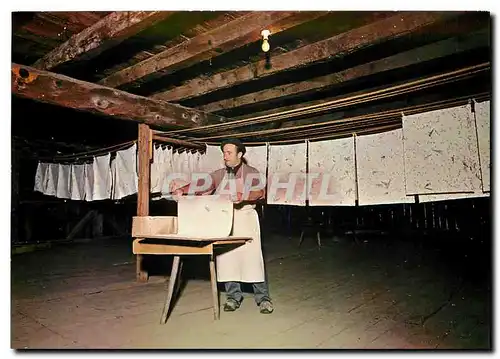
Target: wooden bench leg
301, 237
141, 274
215, 292
179, 280
171, 286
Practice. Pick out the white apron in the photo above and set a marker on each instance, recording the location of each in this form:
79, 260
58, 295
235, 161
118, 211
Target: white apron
244, 263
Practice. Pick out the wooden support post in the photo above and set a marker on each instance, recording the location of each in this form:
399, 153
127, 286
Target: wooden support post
144, 150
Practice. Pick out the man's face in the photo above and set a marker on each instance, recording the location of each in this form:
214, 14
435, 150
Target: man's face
231, 157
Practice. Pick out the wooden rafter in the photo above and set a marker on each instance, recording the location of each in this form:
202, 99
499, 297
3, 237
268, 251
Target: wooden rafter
425, 53
339, 45
106, 33
236, 33
65, 91
463, 74
21, 18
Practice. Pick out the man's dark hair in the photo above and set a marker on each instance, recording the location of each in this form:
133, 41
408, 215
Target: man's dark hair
240, 147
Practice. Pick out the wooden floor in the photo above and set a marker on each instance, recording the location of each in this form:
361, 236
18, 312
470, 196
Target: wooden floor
373, 293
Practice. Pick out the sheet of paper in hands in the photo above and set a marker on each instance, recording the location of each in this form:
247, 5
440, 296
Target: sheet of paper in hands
204, 216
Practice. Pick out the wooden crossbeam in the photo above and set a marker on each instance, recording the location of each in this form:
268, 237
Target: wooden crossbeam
104, 34
429, 52
234, 34
21, 18
60, 90
336, 46
288, 122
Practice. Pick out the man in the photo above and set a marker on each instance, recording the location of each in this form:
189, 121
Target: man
245, 263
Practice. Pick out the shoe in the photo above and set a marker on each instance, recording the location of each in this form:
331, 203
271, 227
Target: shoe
231, 305
266, 307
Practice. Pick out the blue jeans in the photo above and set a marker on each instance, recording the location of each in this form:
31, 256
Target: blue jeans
261, 291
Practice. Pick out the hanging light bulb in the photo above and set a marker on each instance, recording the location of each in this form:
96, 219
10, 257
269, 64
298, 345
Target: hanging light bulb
265, 40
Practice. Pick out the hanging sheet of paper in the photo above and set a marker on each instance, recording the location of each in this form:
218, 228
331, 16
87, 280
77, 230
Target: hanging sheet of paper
212, 160
102, 178
156, 168
287, 175
482, 116
256, 156
177, 178
124, 173
185, 166
63, 182
441, 152
89, 181
41, 177
423, 198
52, 177
176, 163
77, 182
332, 176
194, 162
380, 169
166, 160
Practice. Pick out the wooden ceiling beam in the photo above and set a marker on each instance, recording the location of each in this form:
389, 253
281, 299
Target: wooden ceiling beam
289, 122
395, 26
21, 18
104, 34
425, 53
60, 90
234, 34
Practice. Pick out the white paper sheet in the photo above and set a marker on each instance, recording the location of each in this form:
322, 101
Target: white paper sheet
52, 178
212, 159
194, 162
332, 176
441, 153
89, 181
102, 178
287, 175
176, 163
124, 173
156, 168
380, 169
423, 198
184, 163
204, 216
77, 182
166, 160
256, 156
63, 182
482, 116
41, 177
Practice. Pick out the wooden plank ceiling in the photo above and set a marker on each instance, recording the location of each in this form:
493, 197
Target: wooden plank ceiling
327, 74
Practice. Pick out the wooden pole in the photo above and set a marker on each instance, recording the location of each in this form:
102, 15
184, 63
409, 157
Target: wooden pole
175, 141
145, 154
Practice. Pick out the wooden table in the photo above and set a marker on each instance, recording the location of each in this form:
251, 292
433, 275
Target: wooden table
171, 244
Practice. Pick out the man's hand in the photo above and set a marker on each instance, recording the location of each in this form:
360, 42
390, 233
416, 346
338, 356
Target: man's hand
176, 194
239, 198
